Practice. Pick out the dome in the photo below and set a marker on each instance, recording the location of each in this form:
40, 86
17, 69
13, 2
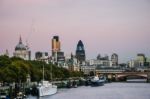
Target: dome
20, 45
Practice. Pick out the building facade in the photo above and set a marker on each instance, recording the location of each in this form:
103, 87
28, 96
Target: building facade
114, 59
72, 63
88, 69
42, 56
100, 61
104, 61
141, 59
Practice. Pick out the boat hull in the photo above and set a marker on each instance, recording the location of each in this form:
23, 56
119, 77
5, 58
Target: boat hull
97, 83
48, 90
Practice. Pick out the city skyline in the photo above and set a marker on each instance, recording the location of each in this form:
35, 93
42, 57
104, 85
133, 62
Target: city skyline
104, 26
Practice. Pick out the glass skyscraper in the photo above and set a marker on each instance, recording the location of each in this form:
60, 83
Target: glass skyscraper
80, 52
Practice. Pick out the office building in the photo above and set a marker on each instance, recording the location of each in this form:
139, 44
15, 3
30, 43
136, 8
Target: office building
114, 59
80, 52
57, 54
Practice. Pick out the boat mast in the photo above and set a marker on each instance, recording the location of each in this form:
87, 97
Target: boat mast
43, 72
51, 74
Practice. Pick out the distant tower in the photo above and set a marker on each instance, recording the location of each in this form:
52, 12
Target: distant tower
22, 51
80, 52
98, 57
57, 54
141, 59
55, 44
55, 47
114, 59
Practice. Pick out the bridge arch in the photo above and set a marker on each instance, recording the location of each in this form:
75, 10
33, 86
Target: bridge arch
119, 76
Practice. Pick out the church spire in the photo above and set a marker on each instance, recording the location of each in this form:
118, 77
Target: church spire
20, 40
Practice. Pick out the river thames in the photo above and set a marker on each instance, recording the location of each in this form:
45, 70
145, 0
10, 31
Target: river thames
108, 91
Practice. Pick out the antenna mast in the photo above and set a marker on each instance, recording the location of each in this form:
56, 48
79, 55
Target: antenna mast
31, 31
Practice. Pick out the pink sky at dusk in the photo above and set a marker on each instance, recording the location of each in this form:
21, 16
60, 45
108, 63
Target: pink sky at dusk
104, 26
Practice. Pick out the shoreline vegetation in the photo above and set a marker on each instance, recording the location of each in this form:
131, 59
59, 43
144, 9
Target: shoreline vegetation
16, 70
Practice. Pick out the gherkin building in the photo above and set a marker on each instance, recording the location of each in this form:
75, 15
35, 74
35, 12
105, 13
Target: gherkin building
80, 52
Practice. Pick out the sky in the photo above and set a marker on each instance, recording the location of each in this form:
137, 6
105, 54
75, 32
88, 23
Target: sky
104, 26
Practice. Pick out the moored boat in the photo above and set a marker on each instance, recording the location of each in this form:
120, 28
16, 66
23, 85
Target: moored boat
46, 88
21, 95
96, 81
3, 95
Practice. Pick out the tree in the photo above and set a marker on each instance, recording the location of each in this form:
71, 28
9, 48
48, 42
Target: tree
4, 61
16, 69
21, 69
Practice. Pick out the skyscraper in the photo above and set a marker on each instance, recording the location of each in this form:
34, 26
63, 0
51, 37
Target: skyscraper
56, 51
55, 44
80, 52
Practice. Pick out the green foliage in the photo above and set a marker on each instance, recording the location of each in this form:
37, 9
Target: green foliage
4, 61
16, 69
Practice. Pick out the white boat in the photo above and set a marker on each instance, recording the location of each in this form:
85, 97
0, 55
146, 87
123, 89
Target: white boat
46, 88
3, 95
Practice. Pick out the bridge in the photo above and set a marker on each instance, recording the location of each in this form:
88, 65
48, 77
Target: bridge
126, 74
123, 75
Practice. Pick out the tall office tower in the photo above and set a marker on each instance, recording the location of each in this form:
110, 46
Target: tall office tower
57, 54
55, 44
55, 47
114, 59
80, 52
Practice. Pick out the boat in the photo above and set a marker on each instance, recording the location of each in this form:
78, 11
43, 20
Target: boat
74, 84
3, 95
21, 95
97, 81
46, 88
88, 82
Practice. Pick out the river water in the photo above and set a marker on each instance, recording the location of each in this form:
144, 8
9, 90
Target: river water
108, 91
